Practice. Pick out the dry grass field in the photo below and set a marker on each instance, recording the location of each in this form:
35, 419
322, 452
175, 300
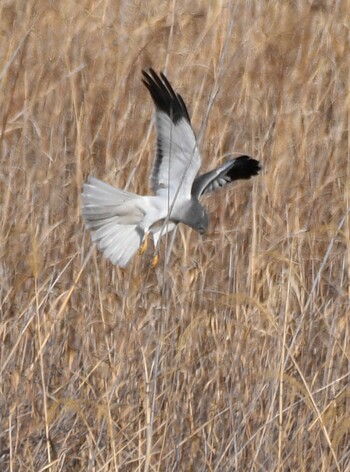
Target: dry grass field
234, 354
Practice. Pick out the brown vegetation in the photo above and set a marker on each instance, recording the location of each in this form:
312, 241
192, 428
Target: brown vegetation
235, 355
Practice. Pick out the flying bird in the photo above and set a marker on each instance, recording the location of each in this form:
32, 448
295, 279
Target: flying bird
120, 221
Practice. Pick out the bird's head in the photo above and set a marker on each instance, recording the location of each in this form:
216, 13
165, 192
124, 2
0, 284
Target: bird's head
196, 217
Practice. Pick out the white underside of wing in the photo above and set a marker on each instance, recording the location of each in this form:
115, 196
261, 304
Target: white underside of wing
180, 157
213, 180
218, 183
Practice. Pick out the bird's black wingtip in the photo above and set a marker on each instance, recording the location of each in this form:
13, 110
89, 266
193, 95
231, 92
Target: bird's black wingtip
164, 96
244, 167
149, 75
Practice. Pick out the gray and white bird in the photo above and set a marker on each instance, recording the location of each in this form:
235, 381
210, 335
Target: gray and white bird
120, 221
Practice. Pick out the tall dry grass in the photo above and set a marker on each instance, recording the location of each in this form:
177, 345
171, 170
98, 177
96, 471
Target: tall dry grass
234, 356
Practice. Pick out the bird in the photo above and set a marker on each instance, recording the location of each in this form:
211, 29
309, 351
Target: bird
120, 221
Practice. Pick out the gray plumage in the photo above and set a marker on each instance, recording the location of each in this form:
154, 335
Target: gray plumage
120, 220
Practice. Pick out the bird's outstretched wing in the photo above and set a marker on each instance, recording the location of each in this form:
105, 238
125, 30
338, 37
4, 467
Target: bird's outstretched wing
243, 167
177, 158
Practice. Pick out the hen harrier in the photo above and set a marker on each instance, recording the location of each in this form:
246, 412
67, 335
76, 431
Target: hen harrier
120, 221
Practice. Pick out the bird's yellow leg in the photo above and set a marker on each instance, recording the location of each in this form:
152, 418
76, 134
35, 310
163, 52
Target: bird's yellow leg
155, 261
144, 244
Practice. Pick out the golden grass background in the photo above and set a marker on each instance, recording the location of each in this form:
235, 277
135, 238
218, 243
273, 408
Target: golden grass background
235, 355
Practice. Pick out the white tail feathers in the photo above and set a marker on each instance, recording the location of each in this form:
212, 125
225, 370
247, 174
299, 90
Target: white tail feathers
113, 216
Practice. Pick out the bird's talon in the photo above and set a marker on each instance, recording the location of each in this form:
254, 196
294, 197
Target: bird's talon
144, 245
155, 261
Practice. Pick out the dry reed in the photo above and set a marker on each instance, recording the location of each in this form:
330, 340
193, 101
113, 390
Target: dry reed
234, 355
